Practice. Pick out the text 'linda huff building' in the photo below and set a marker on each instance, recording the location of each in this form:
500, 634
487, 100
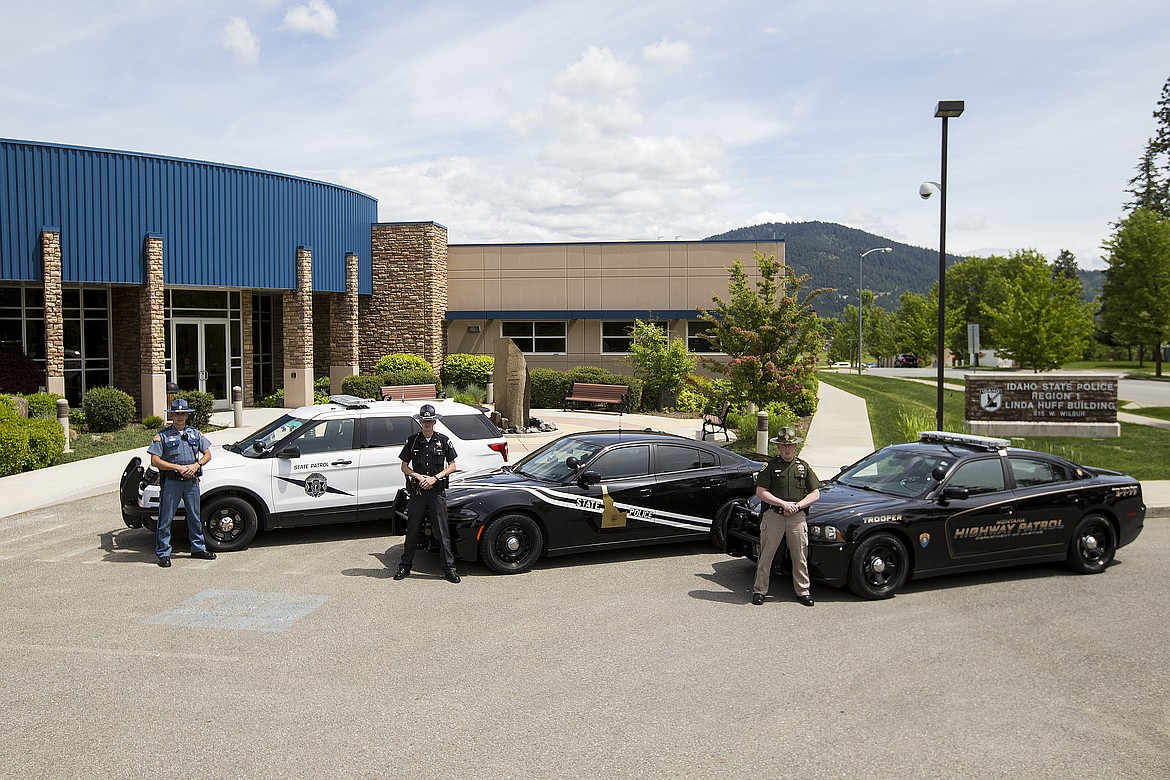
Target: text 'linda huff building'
133, 270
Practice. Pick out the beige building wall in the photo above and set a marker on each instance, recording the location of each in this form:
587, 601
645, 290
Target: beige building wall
579, 283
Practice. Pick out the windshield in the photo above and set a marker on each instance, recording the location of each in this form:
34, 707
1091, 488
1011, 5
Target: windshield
550, 463
895, 472
268, 436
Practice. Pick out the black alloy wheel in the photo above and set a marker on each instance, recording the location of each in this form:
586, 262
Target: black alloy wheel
879, 567
511, 544
1092, 545
229, 524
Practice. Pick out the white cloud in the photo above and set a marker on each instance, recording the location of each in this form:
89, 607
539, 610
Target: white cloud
598, 72
316, 18
241, 42
672, 55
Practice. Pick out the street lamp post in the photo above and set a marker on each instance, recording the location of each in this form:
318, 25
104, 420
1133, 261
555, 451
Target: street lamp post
946, 109
860, 302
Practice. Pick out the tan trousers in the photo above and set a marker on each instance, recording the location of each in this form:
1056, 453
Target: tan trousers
774, 527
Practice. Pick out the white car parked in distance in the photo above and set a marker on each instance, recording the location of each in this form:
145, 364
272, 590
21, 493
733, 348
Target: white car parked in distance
327, 463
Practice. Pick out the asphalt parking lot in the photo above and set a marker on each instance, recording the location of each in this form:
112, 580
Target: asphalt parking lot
300, 657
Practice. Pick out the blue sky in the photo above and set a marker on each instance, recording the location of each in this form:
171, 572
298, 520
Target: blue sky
616, 121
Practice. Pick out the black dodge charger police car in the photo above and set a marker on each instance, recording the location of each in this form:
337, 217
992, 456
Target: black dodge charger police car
956, 503
598, 490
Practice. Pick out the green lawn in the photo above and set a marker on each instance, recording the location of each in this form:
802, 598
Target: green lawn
133, 436
1131, 367
1158, 412
895, 405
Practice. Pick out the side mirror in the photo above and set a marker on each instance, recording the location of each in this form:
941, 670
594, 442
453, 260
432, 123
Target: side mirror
289, 452
958, 493
589, 478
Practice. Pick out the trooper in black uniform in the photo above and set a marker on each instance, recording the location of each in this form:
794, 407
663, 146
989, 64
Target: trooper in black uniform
427, 460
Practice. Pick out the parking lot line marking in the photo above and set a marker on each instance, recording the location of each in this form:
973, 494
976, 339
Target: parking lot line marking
29, 547
240, 609
307, 564
37, 532
70, 554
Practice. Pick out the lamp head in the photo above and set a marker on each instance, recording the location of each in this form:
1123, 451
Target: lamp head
927, 188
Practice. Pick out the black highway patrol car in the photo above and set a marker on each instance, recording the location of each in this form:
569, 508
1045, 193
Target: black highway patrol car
956, 503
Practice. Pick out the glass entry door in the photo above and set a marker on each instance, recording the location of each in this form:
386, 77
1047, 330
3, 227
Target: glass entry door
201, 354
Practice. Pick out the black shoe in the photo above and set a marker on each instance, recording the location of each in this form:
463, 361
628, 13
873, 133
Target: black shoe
757, 599
452, 577
164, 562
806, 600
206, 555
402, 573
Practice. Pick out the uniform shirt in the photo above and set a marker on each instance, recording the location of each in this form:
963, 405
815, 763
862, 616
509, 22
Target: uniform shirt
427, 457
180, 448
788, 481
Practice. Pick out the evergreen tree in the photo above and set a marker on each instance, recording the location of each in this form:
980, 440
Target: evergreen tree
1149, 186
1135, 300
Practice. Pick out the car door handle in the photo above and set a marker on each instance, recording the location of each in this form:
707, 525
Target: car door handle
712, 482
645, 492
1009, 509
341, 463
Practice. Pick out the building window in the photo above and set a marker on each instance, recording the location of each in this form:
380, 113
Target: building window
536, 338
263, 353
617, 336
87, 340
696, 338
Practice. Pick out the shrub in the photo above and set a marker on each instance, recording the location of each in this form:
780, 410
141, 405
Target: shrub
153, 421
547, 388
804, 403
272, 400
401, 361
18, 372
46, 441
13, 447
692, 402
322, 385
107, 409
77, 419
42, 404
411, 377
468, 394
201, 404
462, 369
7, 408
362, 386
744, 423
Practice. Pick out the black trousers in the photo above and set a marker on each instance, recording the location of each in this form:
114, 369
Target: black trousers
434, 501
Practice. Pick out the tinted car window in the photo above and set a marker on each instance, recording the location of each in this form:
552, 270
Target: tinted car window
325, 436
1029, 472
674, 457
623, 462
389, 431
979, 476
470, 426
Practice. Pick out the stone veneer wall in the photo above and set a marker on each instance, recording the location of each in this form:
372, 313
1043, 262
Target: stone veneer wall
344, 341
151, 341
405, 312
298, 334
54, 312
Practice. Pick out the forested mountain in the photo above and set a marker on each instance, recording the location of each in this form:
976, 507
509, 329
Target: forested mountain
829, 254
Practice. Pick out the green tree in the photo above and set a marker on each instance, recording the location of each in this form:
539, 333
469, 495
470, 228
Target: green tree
1135, 299
916, 323
1042, 323
661, 363
1149, 186
768, 329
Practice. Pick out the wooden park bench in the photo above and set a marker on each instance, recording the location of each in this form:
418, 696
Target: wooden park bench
715, 420
410, 393
585, 393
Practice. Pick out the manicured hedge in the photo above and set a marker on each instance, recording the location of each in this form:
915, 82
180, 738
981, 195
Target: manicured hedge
362, 386
46, 441
107, 409
13, 447
400, 361
549, 387
462, 369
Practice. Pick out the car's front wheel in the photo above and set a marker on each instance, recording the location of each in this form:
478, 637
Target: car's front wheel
1092, 545
511, 544
879, 567
229, 524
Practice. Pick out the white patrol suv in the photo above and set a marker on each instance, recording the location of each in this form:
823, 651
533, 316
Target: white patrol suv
328, 463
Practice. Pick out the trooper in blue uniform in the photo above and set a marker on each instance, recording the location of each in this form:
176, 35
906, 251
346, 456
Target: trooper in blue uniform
427, 460
178, 451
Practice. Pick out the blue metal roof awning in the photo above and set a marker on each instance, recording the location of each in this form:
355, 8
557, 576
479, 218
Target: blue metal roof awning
576, 314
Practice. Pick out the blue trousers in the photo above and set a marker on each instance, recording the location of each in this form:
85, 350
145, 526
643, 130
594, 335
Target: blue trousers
174, 491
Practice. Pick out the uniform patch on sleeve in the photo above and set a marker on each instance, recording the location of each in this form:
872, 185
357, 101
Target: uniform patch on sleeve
157, 437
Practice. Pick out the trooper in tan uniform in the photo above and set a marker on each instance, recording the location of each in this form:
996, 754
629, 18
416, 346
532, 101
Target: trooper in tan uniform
787, 486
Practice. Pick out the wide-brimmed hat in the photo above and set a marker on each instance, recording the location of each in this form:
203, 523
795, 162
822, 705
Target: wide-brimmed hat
427, 413
786, 436
179, 405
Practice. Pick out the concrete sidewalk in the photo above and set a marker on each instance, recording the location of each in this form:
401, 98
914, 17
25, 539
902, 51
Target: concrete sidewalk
838, 436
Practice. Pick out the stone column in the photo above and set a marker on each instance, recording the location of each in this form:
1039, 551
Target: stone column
151, 340
54, 312
298, 335
343, 329
409, 302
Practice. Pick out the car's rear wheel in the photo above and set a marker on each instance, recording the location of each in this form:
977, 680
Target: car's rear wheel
879, 567
719, 525
1092, 545
229, 524
511, 544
